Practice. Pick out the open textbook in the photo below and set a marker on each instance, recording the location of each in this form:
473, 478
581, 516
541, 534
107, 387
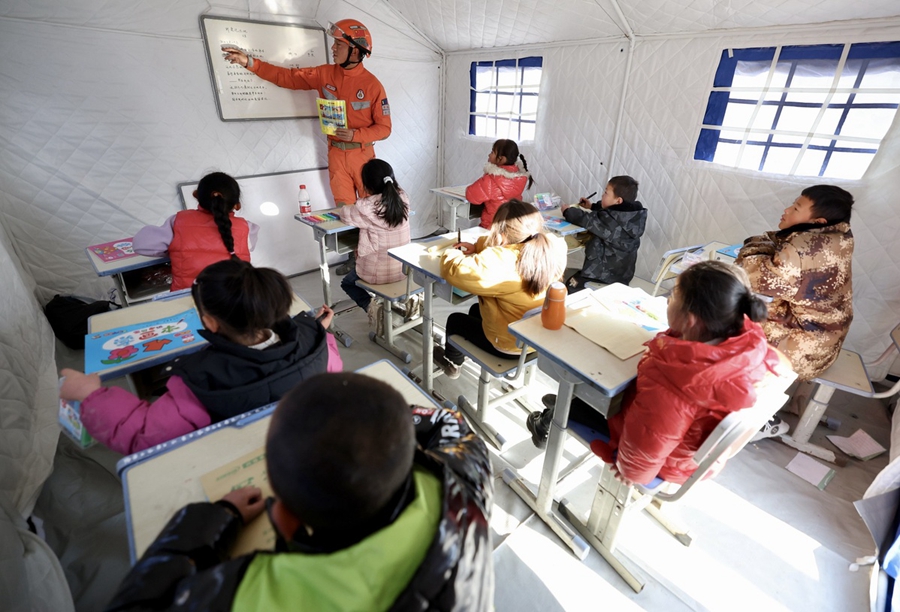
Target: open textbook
618, 318
249, 470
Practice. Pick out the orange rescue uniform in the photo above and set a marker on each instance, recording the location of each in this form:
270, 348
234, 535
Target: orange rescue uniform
368, 114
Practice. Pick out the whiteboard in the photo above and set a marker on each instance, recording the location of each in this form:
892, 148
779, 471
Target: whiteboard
241, 95
270, 201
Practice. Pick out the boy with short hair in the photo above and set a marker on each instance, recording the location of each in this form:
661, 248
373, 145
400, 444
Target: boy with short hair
367, 518
806, 268
616, 224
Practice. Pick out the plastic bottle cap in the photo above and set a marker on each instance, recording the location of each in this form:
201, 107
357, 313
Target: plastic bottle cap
302, 186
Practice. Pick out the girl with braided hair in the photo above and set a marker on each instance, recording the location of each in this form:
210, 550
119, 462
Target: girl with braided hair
194, 239
505, 178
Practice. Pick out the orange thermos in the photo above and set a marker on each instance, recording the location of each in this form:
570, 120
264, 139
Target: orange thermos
553, 314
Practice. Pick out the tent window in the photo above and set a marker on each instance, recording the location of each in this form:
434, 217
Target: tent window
817, 110
503, 98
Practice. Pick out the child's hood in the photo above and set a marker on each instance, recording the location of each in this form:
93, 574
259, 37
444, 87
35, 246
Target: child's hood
510, 172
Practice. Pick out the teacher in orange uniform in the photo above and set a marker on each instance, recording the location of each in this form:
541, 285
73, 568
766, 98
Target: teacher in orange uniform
368, 112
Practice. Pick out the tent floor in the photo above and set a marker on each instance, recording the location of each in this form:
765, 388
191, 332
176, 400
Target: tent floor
762, 536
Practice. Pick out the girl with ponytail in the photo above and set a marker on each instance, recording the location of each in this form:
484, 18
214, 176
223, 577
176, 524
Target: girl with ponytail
194, 239
505, 178
711, 362
509, 270
383, 221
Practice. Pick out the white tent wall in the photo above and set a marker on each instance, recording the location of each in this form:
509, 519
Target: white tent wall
690, 202
104, 110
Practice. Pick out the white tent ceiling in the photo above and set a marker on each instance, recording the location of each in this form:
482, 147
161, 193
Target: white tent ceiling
456, 25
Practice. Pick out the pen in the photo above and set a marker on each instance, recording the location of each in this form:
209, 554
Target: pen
458, 236
590, 196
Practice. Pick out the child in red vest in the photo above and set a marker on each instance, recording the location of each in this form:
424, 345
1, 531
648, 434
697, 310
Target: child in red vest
194, 239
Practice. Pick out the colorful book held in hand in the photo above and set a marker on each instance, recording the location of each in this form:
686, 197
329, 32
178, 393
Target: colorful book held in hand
112, 251
70, 422
132, 343
332, 115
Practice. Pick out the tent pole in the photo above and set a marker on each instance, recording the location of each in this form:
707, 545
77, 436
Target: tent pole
629, 34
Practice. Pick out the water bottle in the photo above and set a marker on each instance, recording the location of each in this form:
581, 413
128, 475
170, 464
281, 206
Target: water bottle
553, 313
303, 198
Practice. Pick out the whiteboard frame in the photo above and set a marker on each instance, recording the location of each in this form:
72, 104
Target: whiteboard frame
213, 71
292, 248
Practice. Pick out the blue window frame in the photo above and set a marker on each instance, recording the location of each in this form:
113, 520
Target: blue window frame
503, 98
819, 110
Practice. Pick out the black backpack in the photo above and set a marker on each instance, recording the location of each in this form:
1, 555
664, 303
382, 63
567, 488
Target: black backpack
68, 316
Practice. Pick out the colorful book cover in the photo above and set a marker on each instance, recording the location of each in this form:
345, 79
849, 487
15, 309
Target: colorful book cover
70, 422
322, 218
332, 115
556, 223
731, 251
111, 348
112, 251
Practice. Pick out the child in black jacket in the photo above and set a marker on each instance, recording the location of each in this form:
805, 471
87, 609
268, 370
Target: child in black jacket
616, 224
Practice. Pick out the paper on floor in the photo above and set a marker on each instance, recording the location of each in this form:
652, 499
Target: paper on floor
811, 470
860, 445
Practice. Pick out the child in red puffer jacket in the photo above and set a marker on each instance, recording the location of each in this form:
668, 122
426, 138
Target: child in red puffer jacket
711, 362
505, 178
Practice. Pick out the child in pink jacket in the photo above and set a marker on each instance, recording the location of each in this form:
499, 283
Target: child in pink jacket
505, 178
256, 354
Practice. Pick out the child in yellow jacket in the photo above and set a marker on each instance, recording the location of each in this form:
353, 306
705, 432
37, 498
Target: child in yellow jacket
509, 270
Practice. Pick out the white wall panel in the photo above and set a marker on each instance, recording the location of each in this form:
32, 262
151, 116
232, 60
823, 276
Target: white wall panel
580, 93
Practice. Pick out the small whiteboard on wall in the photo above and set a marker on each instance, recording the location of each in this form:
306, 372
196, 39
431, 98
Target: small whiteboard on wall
270, 201
240, 94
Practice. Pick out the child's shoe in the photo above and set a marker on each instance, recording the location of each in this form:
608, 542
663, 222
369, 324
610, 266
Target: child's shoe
451, 370
775, 427
538, 423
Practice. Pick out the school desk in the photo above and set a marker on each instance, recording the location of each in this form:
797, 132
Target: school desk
152, 311
425, 268
454, 197
130, 290
159, 481
335, 236
674, 262
582, 368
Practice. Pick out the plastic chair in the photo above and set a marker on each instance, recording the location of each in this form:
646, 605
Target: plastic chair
848, 373
669, 259
513, 371
614, 499
387, 295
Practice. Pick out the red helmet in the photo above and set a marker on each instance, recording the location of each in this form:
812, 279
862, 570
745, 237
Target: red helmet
352, 32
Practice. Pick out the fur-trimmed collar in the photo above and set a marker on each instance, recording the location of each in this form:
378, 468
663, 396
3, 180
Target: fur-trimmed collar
504, 171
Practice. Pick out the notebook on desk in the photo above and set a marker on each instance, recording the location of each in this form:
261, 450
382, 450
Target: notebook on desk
113, 251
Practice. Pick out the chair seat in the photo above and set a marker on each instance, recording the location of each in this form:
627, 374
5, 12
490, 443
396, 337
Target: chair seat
847, 373
392, 292
497, 366
587, 435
